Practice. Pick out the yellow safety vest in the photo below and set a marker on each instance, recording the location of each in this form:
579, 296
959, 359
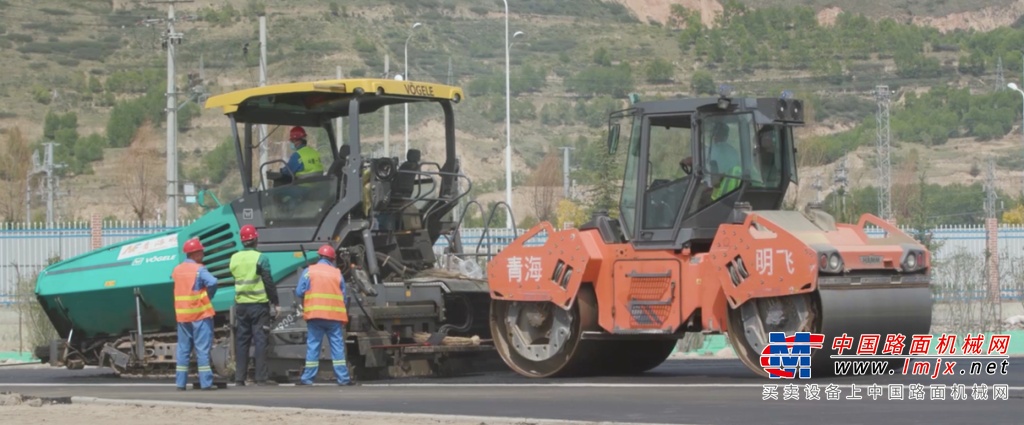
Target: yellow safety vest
310, 160
249, 287
728, 184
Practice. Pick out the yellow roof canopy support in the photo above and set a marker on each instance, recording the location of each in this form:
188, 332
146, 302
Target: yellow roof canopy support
314, 102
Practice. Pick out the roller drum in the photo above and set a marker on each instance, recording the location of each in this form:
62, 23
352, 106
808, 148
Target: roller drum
854, 309
857, 310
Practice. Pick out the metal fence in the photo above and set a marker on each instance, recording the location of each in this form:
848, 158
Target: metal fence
25, 249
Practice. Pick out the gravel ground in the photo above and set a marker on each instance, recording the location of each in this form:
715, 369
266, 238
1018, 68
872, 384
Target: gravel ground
17, 409
9, 338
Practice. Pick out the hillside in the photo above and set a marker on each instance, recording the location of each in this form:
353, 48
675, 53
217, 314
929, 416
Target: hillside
98, 59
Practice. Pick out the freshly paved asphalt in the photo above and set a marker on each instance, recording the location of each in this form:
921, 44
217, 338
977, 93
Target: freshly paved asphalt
679, 391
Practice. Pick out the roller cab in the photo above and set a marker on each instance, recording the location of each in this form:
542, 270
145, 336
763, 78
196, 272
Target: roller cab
701, 244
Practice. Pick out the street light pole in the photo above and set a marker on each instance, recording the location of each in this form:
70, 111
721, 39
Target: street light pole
405, 76
1018, 90
508, 129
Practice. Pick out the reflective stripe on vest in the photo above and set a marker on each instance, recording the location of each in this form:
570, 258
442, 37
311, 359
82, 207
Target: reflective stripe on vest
189, 305
324, 299
310, 160
728, 184
249, 287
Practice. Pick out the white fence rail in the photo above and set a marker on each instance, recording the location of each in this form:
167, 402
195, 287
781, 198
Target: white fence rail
25, 249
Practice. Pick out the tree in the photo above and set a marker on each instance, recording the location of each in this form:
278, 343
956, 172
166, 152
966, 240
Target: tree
602, 57
608, 188
1014, 216
568, 213
545, 187
14, 168
142, 181
906, 195
702, 83
659, 71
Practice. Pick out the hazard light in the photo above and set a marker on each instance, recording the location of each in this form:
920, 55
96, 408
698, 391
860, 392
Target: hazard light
913, 260
789, 109
830, 262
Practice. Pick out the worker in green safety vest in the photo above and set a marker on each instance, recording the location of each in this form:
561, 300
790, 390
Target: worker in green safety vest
305, 160
727, 184
255, 303
723, 158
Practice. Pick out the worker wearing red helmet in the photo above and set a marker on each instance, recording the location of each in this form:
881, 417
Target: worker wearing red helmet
194, 287
322, 291
255, 303
305, 160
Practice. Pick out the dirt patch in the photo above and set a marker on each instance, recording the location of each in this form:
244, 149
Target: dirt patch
660, 10
827, 16
986, 19
10, 337
27, 410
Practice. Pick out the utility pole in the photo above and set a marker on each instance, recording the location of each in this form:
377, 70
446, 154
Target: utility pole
817, 189
50, 187
170, 39
264, 147
842, 180
387, 111
405, 76
338, 134
28, 192
1000, 80
884, 144
449, 71
990, 190
47, 167
992, 247
565, 171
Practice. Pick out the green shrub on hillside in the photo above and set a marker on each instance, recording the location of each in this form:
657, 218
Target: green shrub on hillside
76, 153
930, 119
127, 116
659, 71
616, 81
943, 205
216, 164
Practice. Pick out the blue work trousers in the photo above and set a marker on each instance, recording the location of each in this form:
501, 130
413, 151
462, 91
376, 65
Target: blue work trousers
198, 334
316, 329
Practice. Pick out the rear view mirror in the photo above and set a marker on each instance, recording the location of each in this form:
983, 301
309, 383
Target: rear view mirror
201, 199
613, 138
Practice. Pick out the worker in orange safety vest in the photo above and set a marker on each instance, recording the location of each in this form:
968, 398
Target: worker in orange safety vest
322, 291
194, 286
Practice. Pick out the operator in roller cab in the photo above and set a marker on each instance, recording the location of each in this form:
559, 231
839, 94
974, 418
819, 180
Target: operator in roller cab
722, 156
